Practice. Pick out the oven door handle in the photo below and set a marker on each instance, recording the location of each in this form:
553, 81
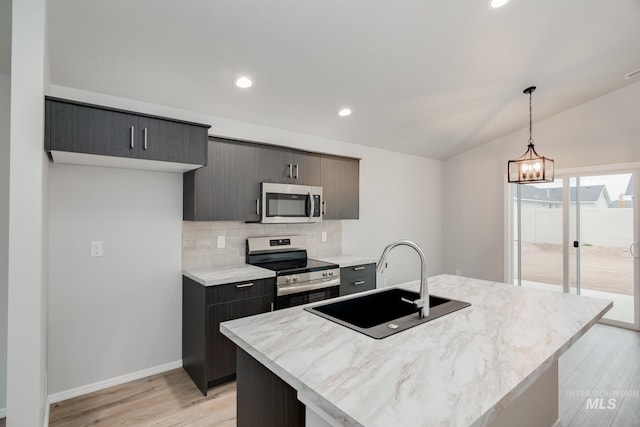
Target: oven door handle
288, 290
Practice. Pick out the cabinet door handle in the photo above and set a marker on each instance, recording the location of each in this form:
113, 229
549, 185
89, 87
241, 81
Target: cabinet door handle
132, 138
296, 171
359, 282
145, 138
245, 285
271, 306
324, 207
358, 268
258, 207
290, 170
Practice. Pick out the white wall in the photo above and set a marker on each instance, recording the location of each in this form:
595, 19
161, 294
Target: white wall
119, 313
27, 272
400, 198
5, 101
601, 132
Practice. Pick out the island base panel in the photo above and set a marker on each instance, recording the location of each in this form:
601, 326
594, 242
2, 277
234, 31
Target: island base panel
536, 406
314, 420
263, 398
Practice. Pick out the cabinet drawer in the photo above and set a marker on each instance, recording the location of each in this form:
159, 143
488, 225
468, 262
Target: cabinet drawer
240, 290
358, 278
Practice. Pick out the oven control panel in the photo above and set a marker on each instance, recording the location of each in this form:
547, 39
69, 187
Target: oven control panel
295, 283
279, 242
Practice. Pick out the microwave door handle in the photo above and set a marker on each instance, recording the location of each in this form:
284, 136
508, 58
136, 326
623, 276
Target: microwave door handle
310, 205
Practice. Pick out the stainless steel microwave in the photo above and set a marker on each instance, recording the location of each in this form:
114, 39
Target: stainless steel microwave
290, 203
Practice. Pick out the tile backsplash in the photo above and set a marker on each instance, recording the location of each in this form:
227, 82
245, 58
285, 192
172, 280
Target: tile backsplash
200, 240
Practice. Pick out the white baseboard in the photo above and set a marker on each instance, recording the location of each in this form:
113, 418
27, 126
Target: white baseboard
100, 385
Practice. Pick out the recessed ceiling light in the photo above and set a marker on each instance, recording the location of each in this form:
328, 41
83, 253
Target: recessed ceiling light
494, 4
244, 82
344, 112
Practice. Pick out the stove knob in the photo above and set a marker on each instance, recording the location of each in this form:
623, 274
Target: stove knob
325, 274
331, 273
288, 279
296, 279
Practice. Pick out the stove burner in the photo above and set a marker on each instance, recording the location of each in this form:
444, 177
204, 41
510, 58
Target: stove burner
297, 266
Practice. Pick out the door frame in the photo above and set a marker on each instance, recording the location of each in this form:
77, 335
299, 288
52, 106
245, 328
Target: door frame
566, 175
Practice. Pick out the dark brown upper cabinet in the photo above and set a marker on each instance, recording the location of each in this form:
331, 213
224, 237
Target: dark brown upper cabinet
75, 127
228, 188
340, 187
293, 167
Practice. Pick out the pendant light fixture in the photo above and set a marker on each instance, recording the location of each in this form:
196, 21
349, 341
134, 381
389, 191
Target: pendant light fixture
530, 167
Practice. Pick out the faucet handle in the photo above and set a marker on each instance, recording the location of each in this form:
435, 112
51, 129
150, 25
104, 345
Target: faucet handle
419, 303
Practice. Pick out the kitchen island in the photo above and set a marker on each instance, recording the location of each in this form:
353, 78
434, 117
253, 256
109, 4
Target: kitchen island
493, 363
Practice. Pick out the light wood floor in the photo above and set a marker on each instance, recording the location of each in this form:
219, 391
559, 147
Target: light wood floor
167, 399
605, 360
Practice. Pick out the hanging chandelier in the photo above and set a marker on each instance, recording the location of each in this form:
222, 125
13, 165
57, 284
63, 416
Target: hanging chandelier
530, 167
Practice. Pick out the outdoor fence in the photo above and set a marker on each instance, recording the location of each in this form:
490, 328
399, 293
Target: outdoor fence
608, 227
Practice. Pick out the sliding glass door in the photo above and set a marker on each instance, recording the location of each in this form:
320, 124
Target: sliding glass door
579, 234
604, 245
538, 230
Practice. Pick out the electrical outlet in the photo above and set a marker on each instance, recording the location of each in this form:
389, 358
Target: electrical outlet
324, 236
96, 248
458, 272
221, 242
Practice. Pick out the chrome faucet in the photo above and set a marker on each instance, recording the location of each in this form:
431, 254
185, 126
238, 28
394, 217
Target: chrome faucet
423, 302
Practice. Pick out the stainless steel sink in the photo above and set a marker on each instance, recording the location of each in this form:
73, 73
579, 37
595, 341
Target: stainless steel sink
384, 313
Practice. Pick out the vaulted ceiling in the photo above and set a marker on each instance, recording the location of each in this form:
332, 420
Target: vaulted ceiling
423, 77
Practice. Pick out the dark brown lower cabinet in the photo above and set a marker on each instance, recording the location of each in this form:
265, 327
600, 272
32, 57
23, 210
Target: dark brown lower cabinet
221, 360
263, 398
208, 356
358, 278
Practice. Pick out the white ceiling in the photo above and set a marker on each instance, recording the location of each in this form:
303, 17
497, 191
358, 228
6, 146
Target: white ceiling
422, 77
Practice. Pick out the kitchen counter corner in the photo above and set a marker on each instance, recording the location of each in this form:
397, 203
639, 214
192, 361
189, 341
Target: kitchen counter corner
349, 260
222, 275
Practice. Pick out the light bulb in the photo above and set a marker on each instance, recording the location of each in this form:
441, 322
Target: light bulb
494, 4
244, 82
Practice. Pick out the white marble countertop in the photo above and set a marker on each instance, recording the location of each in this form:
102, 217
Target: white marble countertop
458, 370
349, 260
222, 275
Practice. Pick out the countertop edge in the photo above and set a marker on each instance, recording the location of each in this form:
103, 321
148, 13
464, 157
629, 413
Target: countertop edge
347, 260
225, 275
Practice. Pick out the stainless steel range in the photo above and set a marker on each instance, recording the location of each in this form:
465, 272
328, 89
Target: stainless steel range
299, 280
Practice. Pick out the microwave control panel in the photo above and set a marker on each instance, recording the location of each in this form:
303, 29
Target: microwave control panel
316, 205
